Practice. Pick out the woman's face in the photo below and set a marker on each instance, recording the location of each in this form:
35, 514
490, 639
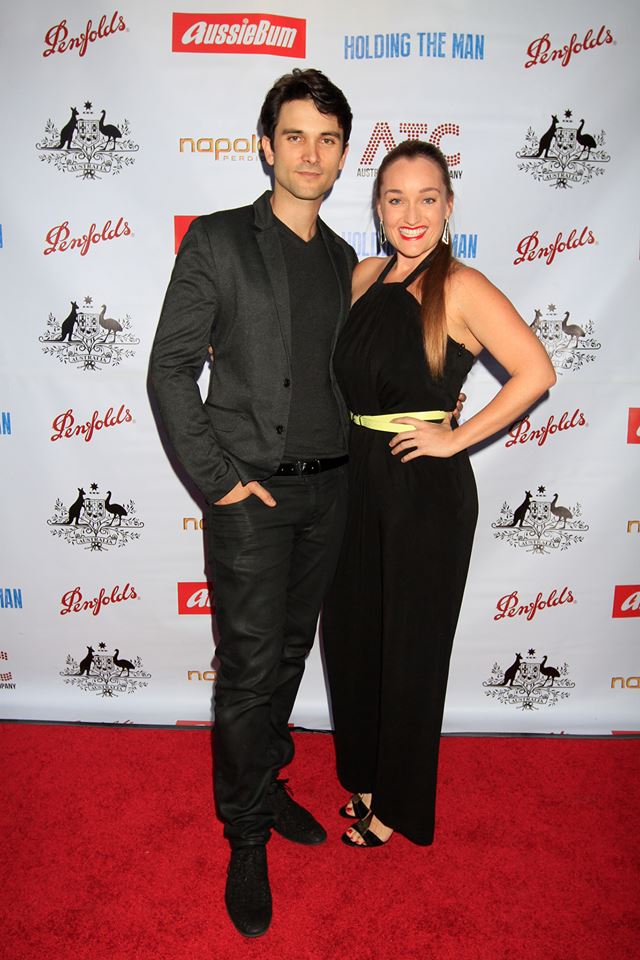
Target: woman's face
413, 205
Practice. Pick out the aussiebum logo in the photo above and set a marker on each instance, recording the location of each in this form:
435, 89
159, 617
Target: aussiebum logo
195, 598
57, 39
626, 601
530, 249
510, 607
540, 50
107, 674
253, 33
563, 155
522, 431
87, 146
88, 338
59, 239
633, 426
381, 136
73, 601
222, 148
529, 682
64, 426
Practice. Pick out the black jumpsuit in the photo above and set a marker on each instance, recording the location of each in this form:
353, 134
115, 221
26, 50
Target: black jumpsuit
391, 613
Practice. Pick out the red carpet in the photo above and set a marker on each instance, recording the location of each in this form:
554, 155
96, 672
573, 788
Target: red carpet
110, 851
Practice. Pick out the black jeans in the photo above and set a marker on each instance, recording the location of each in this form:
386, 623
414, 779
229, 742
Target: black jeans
271, 567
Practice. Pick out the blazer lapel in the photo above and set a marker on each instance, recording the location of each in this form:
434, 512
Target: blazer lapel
271, 251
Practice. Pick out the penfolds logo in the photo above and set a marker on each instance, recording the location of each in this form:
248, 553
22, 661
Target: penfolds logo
541, 50
57, 39
626, 600
59, 238
510, 605
239, 33
530, 247
523, 432
64, 426
195, 598
73, 601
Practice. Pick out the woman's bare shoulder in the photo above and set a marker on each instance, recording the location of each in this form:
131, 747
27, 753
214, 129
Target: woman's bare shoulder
365, 273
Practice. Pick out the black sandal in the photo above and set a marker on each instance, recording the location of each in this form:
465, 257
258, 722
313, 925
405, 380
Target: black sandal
361, 810
362, 827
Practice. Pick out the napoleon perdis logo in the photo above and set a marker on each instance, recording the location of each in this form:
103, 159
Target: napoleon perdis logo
252, 33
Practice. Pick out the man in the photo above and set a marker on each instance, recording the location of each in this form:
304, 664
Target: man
269, 287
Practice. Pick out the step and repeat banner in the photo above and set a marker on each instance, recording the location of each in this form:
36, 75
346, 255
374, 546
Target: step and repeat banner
127, 122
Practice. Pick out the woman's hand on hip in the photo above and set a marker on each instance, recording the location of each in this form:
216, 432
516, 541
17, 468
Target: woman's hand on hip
423, 440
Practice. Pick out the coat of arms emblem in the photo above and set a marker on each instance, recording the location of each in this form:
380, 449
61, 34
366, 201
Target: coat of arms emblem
87, 145
565, 154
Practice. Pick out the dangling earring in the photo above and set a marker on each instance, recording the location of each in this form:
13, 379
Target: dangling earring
445, 232
382, 237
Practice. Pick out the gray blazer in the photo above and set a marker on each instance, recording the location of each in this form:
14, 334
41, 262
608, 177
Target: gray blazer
229, 289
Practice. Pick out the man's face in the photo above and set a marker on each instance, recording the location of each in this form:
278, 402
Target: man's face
307, 152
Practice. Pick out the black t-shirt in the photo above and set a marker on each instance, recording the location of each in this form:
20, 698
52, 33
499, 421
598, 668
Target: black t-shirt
314, 428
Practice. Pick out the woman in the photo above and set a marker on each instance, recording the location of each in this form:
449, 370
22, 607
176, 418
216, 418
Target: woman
417, 323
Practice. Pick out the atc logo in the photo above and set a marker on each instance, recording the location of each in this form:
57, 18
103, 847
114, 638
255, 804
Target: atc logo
626, 601
381, 136
105, 674
89, 339
540, 525
195, 598
87, 146
529, 683
252, 33
6, 676
633, 427
570, 345
563, 155
94, 521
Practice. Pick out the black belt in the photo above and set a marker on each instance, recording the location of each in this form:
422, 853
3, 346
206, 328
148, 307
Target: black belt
300, 468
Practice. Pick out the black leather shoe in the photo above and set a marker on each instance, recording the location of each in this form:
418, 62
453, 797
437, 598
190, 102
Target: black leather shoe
247, 894
292, 821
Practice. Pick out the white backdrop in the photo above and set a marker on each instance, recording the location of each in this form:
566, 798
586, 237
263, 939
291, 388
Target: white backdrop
535, 106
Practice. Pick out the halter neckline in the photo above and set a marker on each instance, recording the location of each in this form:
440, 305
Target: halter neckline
422, 266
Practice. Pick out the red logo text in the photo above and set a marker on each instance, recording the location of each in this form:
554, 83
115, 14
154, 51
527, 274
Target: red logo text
626, 601
540, 50
180, 226
522, 432
195, 598
73, 601
381, 136
239, 33
64, 425
57, 39
59, 238
530, 248
510, 606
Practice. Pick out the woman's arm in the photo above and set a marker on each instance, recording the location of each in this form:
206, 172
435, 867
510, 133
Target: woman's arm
481, 316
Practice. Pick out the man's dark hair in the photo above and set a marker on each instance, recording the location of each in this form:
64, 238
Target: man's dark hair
306, 85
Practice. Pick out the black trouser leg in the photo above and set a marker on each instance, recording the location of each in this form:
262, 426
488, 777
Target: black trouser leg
270, 568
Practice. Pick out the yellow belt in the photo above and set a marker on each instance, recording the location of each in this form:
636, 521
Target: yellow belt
384, 421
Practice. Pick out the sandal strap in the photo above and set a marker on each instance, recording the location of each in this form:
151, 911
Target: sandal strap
369, 837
